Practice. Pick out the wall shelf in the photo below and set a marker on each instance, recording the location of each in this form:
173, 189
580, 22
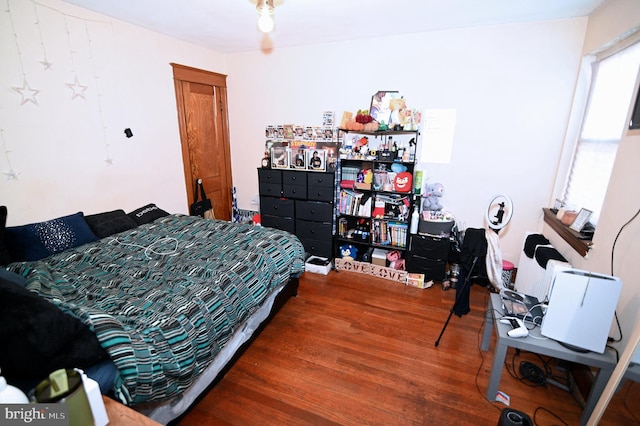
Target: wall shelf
569, 235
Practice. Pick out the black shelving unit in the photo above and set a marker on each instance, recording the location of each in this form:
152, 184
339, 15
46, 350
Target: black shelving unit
375, 198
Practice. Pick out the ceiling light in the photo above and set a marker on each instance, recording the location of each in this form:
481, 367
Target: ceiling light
265, 10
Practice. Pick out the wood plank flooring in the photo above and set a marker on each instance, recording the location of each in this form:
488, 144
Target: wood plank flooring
352, 349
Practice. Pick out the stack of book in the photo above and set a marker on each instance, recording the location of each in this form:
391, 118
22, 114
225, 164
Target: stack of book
389, 233
355, 203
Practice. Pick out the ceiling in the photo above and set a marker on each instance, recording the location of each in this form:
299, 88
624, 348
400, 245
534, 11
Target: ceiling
230, 26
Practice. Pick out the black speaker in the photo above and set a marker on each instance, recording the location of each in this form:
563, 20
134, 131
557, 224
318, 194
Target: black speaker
510, 417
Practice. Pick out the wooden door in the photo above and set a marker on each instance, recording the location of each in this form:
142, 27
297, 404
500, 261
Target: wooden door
201, 98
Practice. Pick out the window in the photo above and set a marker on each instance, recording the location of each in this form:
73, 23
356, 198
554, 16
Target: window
613, 85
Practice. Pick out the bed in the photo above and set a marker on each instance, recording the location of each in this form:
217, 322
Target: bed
170, 300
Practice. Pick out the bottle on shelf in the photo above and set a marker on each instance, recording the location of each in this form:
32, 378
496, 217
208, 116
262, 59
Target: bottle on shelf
415, 218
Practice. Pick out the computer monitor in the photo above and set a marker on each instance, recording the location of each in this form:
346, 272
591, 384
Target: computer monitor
581, 309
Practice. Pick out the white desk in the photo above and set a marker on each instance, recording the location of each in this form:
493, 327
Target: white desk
604, 362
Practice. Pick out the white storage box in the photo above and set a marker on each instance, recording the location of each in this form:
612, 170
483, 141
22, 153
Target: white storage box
318, 265
379, 257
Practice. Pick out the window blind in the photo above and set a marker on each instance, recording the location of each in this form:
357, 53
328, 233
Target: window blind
604, 122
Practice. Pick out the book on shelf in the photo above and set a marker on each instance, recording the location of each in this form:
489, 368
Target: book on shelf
354, 203
384, 232
398, 233
392, 206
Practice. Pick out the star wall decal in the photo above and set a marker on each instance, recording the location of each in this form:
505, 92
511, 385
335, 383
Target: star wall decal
46, 64
28, 94
12, 175
78, 89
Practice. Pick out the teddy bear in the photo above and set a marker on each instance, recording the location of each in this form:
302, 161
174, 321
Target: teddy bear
395, 260
433, 193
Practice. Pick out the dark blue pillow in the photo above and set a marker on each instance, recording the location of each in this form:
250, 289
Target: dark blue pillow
39, 240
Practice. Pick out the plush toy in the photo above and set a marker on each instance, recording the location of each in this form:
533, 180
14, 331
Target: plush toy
371, 127
361, 145
395, 260
348, 252
368, 176
431, 201
403, 182
365, 176
398, 168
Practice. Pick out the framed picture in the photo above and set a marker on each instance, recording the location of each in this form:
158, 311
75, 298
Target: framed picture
298, 132
317, 160
380, 108
270, 132
581, 220
309, 133
287, 131
298, 158
279, 157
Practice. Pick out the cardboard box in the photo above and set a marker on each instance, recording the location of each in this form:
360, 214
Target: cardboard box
417, 280
317, 265
379, 257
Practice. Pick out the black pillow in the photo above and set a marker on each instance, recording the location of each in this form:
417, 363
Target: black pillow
147, 214
109, 223
5, 257
39, 240
38, 338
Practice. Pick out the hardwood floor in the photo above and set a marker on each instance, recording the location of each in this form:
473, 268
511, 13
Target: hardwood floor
352, 349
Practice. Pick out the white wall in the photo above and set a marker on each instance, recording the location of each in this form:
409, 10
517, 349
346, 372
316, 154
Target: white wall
608, 23
58, 146
512, 86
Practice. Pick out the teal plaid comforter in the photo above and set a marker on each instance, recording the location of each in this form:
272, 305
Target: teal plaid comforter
165, 297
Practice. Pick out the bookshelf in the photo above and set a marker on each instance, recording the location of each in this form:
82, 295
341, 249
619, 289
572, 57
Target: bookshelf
375, 197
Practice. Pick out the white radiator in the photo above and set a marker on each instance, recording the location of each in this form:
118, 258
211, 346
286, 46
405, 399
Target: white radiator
534, 280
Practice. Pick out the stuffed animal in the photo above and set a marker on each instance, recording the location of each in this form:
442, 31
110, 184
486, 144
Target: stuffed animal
348, 252
398, 168
433, 193
365, 176
395, 260
361, 145
403, 182
368, 176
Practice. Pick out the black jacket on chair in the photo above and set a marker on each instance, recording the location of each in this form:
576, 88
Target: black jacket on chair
472, 266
